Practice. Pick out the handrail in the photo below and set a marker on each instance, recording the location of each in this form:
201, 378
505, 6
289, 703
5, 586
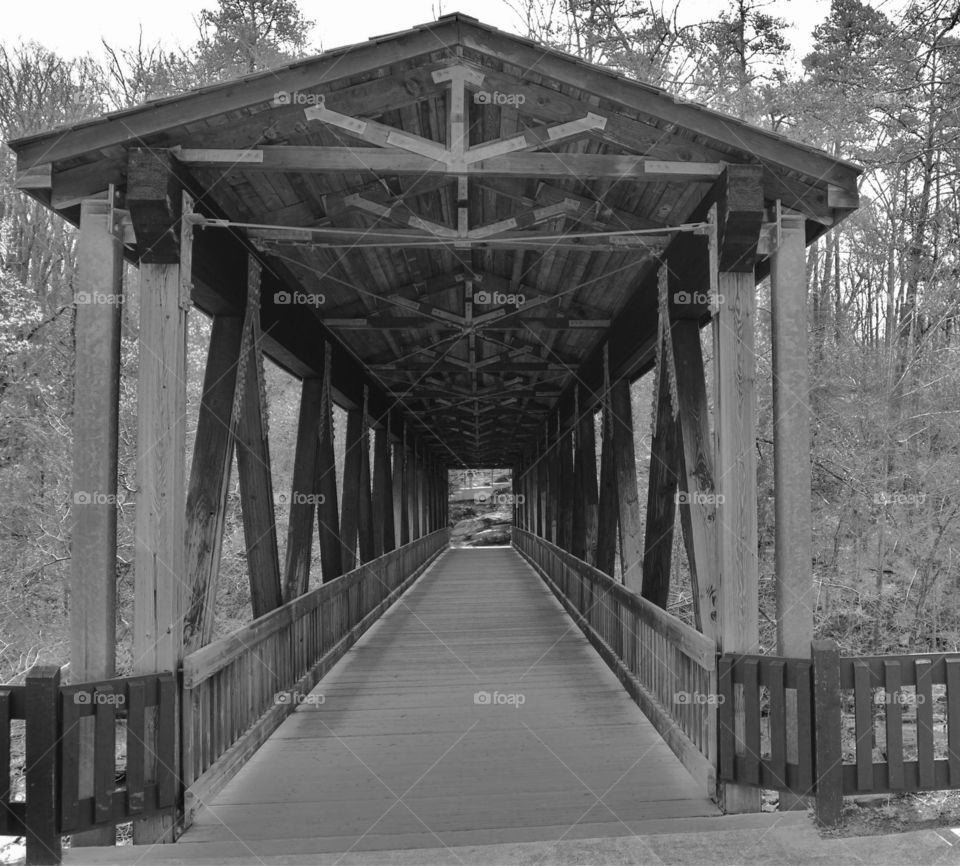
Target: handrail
237, 690
669, 668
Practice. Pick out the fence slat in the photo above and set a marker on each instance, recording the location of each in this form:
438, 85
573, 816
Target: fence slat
43, 766
894, 724
829, 756
104, 751
4, 753
924, 704
778, 722
863, 723
166, 743
953, 720
751, 720
136, 726
805, 727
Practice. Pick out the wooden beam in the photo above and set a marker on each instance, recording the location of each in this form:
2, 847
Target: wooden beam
586, 491
566, 491
628, 503
795, 597
400, 517
161, 503
365, 512
304, 492
210, 480
661, 493
607, 506
391, 160
154, 202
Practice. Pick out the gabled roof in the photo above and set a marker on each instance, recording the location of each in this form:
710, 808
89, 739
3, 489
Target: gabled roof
580, 179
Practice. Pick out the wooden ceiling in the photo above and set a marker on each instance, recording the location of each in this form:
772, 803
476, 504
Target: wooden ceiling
466, 214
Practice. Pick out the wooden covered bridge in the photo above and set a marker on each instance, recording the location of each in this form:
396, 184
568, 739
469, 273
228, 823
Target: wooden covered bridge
473, 245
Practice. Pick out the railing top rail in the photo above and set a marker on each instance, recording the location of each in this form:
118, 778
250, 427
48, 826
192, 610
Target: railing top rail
692, 643
206, 661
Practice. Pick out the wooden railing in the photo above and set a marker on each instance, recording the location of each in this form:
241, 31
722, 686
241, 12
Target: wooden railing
74, 779
238, 689
668, 667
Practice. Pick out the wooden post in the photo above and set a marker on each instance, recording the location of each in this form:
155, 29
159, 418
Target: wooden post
661, 492
161, 506
255, 475
93, 537
42, 819
697, 478
210, 480
631, 544
829, 755
739, 219
383, 493
566, 488
607, 504
304, 493
328, 518
543, 492
791, 441
413, 488
350, 506
586, 495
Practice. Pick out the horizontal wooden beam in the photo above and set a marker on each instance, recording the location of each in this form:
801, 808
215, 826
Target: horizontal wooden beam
396, 161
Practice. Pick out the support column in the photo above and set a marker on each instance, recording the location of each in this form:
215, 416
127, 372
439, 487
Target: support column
328, 516
401, 516
607, 504
93, 537
384, 540
587, 491
350, 506
304, 493
791, 441
414, 504
566, 488
631, 543
365, 513
739, 219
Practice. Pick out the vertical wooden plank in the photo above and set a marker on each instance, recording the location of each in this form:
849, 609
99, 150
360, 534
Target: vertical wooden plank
304, 493
805, 728
628, 503
43, 766
210, 480
104, 751
166, 742
161, 506
725, 723
256, 479
751, 720
4, 750
778, 722
400, 494
136, 722
863, 724
697, 481
924, 669
892, 679
661, 494
829, 757
413, 491
587, 457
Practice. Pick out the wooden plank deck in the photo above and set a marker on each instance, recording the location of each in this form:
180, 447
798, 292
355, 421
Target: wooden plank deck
400, 755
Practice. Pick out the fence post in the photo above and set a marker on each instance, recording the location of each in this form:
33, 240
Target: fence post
828, 757
43, 765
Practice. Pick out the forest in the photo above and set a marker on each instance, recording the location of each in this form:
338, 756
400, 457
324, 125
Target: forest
880, 86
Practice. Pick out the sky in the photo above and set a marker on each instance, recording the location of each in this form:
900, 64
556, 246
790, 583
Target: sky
76, 28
